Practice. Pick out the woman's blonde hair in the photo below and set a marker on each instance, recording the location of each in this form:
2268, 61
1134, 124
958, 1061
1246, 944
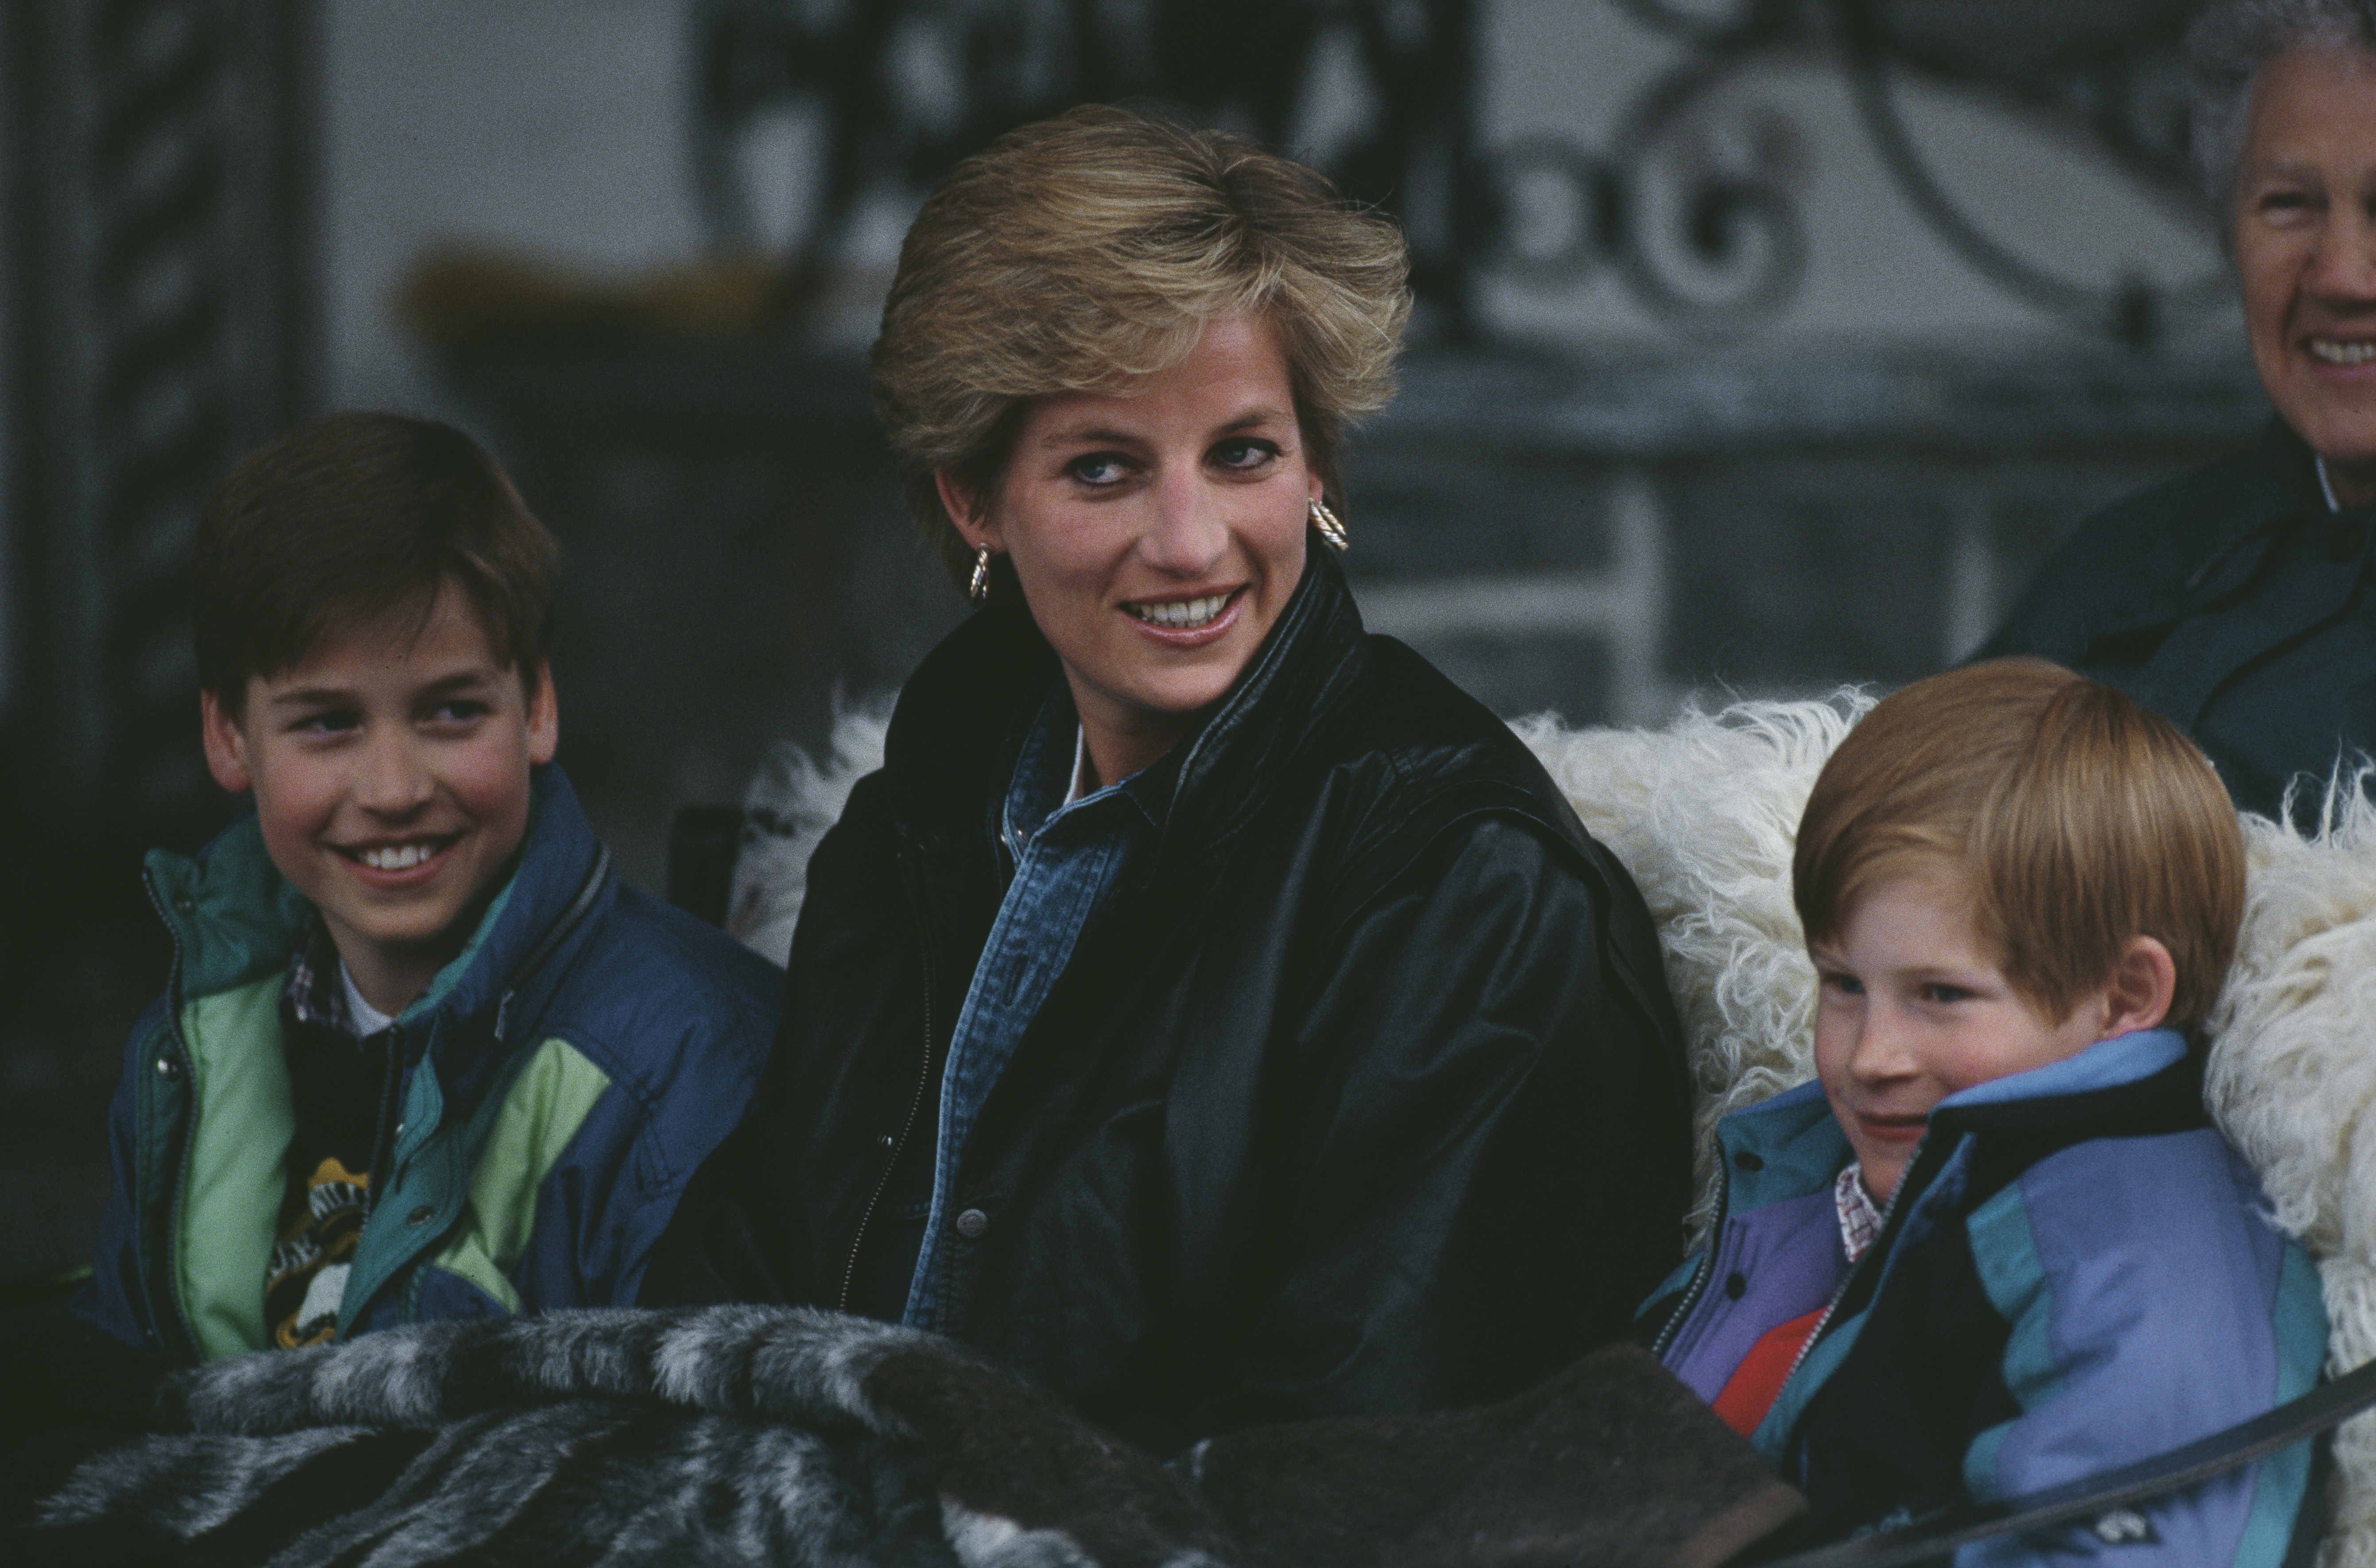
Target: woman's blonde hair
1083, 251
2072, 819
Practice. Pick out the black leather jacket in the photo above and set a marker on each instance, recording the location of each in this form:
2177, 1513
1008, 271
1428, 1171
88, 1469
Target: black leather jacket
1362, 1092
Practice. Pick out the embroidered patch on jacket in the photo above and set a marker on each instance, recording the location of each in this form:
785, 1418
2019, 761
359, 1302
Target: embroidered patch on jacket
307, 1277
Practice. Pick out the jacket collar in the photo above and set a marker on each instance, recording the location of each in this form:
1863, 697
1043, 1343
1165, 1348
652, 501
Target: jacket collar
2146, 1081
961, 718
235, 918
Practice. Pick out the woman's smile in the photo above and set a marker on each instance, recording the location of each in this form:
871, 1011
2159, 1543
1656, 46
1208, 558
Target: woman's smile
2337, 352
1207, 612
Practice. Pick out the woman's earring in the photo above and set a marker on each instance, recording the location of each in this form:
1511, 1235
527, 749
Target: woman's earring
1330, 526
979, 589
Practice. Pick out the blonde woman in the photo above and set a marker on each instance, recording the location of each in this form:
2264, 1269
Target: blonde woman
1208, 1010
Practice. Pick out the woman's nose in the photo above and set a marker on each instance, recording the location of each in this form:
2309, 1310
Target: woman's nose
2343, 268
1188, 532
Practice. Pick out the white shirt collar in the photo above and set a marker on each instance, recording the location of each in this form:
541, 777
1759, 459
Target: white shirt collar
2325, 485
1080, 766
366, 1019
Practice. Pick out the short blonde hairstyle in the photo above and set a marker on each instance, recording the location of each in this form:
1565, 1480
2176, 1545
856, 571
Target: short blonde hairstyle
1081, 252
2073, 819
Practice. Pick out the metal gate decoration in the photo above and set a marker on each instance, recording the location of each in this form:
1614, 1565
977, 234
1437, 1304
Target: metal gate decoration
898, 89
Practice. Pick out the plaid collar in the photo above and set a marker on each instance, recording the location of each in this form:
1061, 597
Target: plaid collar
314, 992
1859, 1217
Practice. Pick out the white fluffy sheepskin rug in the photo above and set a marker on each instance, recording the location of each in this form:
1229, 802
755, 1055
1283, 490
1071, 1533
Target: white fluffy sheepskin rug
2293, 1084
1704, 814
787, 809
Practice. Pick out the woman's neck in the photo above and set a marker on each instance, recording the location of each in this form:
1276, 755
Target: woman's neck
1119, 744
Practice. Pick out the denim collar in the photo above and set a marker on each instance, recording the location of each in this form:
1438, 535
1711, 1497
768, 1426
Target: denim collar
1044, 774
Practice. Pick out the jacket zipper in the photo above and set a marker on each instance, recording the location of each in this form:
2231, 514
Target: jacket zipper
387, 1130
189, 1066
915, 1101
1700, 1275
382, 1149
1807, 1346
1707, 1269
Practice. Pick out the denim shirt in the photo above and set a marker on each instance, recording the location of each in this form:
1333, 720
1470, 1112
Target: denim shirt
1066, 856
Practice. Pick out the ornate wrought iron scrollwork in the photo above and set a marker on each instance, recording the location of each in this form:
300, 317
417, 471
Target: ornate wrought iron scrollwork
1706, 237
2107, 76
896, 91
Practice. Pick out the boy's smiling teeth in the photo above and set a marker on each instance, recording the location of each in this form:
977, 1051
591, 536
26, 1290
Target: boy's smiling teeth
2335, 353
397, 857
1180, 615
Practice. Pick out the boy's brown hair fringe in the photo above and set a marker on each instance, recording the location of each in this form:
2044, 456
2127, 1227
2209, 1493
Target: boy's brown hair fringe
348, 518
2072, 818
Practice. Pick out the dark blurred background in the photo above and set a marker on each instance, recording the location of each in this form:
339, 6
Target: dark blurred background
1763, 345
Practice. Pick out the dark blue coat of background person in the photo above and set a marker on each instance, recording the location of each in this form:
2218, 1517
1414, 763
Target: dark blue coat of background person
2239, 601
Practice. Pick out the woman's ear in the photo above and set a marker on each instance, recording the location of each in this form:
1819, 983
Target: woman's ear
966, 511
2143, 981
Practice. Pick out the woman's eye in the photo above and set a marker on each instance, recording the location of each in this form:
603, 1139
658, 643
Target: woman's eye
1244, 452
1098, 468
2285, 203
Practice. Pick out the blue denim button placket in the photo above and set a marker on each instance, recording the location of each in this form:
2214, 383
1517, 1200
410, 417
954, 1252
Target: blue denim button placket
1067, 859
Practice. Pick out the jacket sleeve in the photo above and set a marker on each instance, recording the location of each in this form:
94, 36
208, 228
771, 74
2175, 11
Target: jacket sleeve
2184, 1314
111, 1300
1492, 1161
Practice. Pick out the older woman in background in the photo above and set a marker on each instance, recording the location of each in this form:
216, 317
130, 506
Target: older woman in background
1208, 1011
2238, 600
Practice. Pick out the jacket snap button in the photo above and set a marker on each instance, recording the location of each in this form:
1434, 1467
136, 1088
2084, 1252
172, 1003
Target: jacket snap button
1736, 1285
186, 903
972, 1223
882, 1140
164, 1067
1748, 1161
418, 1215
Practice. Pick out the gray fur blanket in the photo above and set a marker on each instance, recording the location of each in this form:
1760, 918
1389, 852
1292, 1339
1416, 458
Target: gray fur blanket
761, 1435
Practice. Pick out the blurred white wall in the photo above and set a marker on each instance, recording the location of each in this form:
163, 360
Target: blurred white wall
554, 128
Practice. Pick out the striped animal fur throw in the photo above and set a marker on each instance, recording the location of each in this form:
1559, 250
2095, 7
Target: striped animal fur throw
1704, 813
752, 1435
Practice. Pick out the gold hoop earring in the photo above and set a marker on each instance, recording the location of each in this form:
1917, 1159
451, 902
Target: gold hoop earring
979, 589
1330, 526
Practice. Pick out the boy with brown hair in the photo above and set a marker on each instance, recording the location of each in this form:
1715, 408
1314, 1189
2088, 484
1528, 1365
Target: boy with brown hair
1997, 1245
420, 1055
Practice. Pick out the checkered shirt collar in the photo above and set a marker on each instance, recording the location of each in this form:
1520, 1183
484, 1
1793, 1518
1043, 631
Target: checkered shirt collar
314, 992
1860, 1217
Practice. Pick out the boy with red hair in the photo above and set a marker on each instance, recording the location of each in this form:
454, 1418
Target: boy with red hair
1997, 1246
